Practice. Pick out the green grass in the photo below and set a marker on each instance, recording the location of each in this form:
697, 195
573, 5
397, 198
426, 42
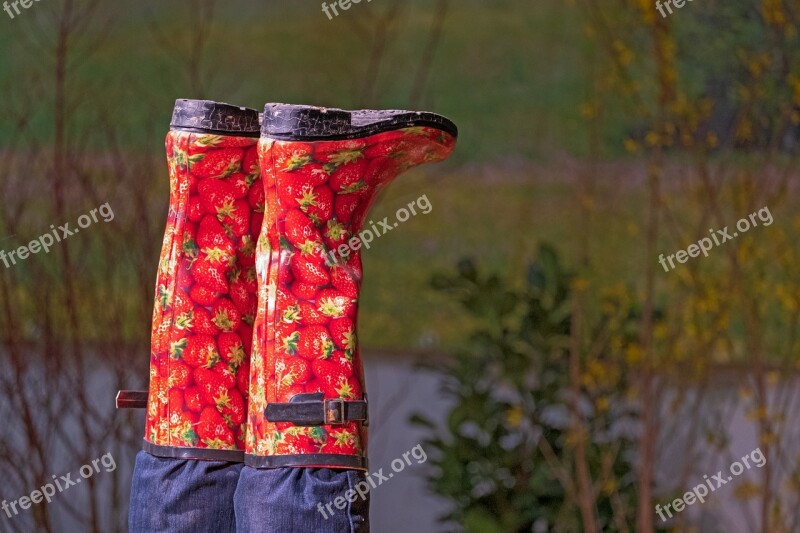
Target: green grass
498, 223
510, 73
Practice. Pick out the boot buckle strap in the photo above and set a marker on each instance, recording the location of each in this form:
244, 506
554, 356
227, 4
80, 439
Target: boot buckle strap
131, 399
313, 409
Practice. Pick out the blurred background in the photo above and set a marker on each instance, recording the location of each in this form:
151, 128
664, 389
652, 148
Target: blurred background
524, 332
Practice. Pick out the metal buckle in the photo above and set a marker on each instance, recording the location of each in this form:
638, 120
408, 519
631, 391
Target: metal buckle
334, 411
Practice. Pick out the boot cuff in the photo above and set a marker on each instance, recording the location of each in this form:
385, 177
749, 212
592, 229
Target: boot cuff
310, 123
207, 116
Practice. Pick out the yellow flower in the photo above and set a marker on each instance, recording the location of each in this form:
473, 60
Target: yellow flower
514, 417
631, 145
588, 111
603, 404
580, 284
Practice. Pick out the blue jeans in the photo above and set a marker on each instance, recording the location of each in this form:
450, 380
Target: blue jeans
183, 496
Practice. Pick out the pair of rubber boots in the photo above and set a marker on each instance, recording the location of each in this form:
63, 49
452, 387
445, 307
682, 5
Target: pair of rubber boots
255, 353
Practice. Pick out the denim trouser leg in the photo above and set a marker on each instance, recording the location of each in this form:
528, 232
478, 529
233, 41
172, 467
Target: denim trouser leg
300, 500
182, 496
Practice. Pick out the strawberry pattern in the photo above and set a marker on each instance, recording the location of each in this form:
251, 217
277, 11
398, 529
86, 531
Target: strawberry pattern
317, 197
205, 301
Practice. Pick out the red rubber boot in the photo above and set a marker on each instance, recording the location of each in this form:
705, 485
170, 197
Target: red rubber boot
321, 170
206, 288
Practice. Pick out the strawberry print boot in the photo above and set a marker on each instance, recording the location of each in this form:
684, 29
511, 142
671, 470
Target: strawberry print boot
321, 171
205, 301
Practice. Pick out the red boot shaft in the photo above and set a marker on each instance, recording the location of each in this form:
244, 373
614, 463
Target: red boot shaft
321, 171
206, 285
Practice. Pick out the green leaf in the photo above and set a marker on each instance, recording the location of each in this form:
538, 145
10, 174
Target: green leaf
467, 269
480, 520
419, 420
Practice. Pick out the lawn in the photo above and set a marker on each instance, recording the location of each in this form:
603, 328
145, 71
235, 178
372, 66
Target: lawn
509, 73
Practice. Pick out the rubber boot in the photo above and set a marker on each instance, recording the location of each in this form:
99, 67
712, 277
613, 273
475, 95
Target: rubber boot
205, 299
321, 170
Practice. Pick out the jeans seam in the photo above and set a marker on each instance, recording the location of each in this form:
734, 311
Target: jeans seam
350, 473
